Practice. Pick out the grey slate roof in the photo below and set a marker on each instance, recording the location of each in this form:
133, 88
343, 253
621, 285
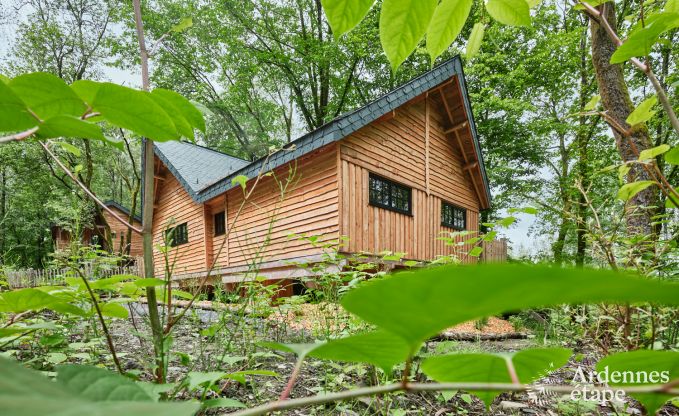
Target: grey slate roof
196, 167
206, 174
115, 204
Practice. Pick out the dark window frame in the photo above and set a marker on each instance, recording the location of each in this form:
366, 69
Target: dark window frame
175, 239
219, 223
454, 208
389, 190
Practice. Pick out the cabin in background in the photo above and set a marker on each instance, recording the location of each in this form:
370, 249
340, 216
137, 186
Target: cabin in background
390, 176
96, 235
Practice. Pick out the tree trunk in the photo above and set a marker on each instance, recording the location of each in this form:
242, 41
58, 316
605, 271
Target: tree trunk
618, 106
582, 141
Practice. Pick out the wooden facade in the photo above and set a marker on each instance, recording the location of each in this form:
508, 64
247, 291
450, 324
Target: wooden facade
425, 144
61, 237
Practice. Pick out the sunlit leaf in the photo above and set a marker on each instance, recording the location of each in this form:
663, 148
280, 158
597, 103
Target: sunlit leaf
640, 42
190, 113
672, 156
653, 152
183, 24
475, 40
134, 110
403, 23
70, 148
446, 24
344, 15
114, 310
68, 126
627, 191
223, 403
14, 115
241, 180
47, 95
509, 12
643, 111
379, 348
592, 103
149, 281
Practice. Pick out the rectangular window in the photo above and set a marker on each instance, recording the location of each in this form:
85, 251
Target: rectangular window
390, 195
177, 235
453, 217
220, 223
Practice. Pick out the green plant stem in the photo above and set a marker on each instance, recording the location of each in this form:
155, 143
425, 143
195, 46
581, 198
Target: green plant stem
416, 387
104, 327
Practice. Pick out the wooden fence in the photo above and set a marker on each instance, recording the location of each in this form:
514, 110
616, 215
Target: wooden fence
494, 251
44, 277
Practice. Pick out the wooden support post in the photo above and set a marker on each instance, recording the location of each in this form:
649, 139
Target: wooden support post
427, 129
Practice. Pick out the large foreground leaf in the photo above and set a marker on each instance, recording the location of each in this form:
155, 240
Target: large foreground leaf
642, 368
403, 23
25, 392
343, 15
47, 95
379, 348
530, 365
417, 305
446, 24
99, 385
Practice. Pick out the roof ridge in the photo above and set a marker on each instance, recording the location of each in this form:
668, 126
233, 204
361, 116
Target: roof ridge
214, 150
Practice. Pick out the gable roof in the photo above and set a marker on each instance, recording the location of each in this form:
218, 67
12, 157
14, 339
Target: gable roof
196, 167
114, 204
206, 179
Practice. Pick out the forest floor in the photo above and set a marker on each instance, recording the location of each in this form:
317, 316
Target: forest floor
234, 347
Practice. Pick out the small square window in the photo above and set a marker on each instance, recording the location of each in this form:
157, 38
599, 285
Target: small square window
453, 216
390, 195
220, 223
178, 235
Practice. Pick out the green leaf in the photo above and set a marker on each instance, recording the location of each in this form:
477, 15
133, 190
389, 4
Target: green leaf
344, 15
627, 191
4, 79
23, 300
654, 367
56, 357
47, 95
198, 378
183, 24
86, 90
182, 125
14, 115
26, 392
643, 112
652, 153
67, 126
20, 329
114, 310
223, 402
672, 6
379, 348
475, 40
530, 365
241, 180
149, 281
70, 148
98, 384
192, 115
672, 156
475, 251
592, 103
509, 12
446, 24
641, 41
403, 23
592, 3
134, 110
419, 304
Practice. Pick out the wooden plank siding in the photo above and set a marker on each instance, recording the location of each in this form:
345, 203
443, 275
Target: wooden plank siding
119, 233
174, 206
263, 228
412, 149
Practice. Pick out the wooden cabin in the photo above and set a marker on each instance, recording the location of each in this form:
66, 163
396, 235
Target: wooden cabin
390, 176
96, 235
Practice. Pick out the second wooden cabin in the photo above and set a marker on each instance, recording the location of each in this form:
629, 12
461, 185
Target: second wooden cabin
390, 176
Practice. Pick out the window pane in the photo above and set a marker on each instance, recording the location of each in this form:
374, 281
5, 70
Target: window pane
220, 223
390, 195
